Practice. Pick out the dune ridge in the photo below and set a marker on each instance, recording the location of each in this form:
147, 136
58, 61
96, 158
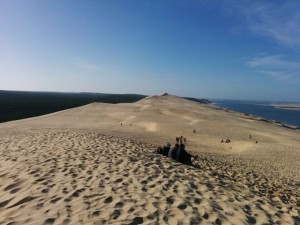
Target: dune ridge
81, 166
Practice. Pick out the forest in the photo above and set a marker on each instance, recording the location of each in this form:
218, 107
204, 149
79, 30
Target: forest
16, 105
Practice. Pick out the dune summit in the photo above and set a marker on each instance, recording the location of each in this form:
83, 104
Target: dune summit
96, 164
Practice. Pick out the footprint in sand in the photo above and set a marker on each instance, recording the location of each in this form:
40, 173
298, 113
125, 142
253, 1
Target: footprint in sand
137, 220
15, 190
14, 185
53, 201
66, 221
4, 203
22, 201
49, 221
170, 200
108, 199
116, 214
96, 213
182, 206
119, 205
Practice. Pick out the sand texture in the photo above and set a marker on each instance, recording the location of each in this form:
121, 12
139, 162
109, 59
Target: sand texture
96, 165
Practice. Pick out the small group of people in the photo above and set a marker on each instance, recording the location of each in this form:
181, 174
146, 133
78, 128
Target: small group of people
176, 152
226, 141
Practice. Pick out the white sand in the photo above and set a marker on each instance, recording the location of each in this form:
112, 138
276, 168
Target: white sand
81, 166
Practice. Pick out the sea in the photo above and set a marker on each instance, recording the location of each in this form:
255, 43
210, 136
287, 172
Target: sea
263, 109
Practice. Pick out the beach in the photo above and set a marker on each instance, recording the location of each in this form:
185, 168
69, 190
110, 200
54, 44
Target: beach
287, 106
97, 164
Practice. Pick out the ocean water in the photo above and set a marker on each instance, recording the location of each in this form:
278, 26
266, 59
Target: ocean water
262, 109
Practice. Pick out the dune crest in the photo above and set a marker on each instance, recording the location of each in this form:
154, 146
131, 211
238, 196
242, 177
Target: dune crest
96, 165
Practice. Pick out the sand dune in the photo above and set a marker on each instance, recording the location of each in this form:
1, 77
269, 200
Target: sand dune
81, 166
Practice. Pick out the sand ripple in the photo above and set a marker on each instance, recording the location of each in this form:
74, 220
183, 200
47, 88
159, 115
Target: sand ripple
83, 177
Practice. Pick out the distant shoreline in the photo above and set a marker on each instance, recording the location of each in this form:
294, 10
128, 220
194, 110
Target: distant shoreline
286, 106
267, 117
258, 118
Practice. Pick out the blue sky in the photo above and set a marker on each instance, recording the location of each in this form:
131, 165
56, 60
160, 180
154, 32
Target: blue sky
232, 49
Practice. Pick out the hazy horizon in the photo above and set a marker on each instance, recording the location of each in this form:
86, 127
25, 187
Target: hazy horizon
243, 50
197, 97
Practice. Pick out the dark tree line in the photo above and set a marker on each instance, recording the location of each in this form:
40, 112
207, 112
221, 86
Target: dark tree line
16, 105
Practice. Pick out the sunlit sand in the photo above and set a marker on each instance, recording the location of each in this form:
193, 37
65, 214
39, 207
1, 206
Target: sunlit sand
96, 165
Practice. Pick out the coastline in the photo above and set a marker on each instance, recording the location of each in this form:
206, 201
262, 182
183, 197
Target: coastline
286, 106
283, 114
255, 117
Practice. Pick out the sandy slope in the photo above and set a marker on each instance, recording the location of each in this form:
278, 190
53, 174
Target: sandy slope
81, 166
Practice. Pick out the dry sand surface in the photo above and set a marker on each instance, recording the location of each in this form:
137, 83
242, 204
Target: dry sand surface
95, 165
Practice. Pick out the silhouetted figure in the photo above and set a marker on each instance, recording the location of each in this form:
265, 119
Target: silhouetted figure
178, 154
173, 151
181, 139
159, 150
194, 131
227, 140
166, 149
183, 156
222, 141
